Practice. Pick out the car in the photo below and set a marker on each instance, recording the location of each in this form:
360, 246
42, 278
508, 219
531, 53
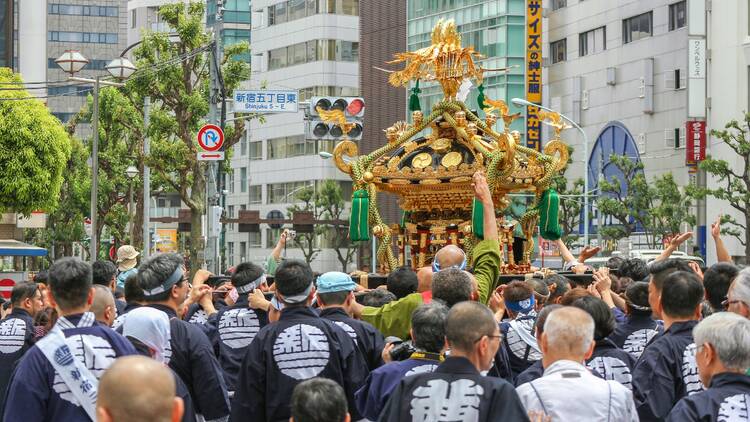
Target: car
648, 255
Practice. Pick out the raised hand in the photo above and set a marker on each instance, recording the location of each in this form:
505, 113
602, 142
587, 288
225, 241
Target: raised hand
680, 239
481, 188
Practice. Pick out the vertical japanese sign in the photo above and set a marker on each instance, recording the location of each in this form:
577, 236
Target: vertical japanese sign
533, 72
695, 145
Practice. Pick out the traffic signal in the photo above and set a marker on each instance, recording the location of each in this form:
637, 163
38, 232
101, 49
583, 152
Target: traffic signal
353, 109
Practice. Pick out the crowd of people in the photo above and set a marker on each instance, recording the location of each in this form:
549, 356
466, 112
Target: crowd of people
629, 341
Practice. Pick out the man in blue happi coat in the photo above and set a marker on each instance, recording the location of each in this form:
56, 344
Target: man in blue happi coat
57, 379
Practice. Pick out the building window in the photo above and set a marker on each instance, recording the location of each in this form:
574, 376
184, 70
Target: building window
81, 10
82, 37
637, 27
256, 150
256, 194
559, 50
305, 94
677, 15
281, 193
254, 240
230, 212
93, 64
230, 253
592, 42
243, 179
70, 90
290, 146
132, 18
243, 251
272, 237
230, 182
559, 4
292, 10
311, 51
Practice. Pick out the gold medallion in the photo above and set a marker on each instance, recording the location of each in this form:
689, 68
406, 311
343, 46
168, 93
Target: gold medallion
441, 145
451, 159
421, 160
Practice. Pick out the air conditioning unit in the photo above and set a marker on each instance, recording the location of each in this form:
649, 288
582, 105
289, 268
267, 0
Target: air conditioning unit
611, 76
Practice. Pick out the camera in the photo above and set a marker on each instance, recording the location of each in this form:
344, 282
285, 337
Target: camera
291, 234
402, 349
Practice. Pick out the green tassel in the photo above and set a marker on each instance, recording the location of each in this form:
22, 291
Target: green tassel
358, 223
549, 209
477, 219
480, 98
414, 98
403, 219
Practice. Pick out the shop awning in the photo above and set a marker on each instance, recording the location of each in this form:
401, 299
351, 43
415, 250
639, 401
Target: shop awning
15, 248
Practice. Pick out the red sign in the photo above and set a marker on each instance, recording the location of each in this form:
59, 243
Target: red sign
211, 138
695, 145
6, 286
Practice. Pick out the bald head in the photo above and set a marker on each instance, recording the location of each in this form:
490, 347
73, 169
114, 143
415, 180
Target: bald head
103, 305
136, 388
569, 332
450, 256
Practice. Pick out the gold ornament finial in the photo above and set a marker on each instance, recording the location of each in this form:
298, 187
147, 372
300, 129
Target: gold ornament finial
418, 117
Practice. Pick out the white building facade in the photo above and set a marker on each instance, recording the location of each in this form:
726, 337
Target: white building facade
307, 45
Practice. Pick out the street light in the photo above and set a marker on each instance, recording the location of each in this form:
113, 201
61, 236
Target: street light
521, 102
72, 62
131, 172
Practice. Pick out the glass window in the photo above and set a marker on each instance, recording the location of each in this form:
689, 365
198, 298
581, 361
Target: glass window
637, 27
256, 150
312, 7
243, 251
279, 14
277, 58
558, 50
677, 15
296, 9
298, 54
290, 146
243, 145
272, 237
256, 194
132, 18
254, 240
280, 193
230, 214
559, 4
592, 42
243, 179
230, 182
349, 7
230, 253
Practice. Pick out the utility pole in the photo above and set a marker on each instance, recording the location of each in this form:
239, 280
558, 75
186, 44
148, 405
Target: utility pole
146, 180
212, 194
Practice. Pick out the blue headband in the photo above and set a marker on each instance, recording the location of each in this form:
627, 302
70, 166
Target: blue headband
522, 306
436, 265
171, 281
249, 287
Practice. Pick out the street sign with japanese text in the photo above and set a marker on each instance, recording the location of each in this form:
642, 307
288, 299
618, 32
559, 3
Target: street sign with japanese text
533, 72
695, 145
263, 101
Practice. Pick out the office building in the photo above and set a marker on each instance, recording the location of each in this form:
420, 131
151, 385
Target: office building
311, 46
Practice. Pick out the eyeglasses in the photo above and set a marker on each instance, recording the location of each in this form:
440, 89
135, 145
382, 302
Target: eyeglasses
498, 336
728, 302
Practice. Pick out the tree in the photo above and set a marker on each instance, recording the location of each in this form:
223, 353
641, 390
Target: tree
657, 208
327, 204
176, 77
34, 149
731, 186
571, 204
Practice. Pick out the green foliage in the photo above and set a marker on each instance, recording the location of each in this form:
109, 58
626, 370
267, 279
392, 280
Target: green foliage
34, 149
175, 75
325, 204
659, 207
730, 185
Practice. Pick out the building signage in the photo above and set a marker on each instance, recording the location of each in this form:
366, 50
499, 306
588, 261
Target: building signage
695, 145
263, 101
697, 78
533, 72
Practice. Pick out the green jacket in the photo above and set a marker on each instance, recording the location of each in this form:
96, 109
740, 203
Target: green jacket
394, 319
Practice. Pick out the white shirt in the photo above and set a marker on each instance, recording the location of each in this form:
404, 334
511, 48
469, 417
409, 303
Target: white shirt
567, 391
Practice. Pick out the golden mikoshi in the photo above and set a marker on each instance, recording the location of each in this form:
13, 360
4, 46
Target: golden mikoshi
432, 174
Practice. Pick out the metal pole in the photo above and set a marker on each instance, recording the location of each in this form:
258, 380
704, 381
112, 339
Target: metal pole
131, 214
212, 241
374, 254
94, 246
146, 180
520, 101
